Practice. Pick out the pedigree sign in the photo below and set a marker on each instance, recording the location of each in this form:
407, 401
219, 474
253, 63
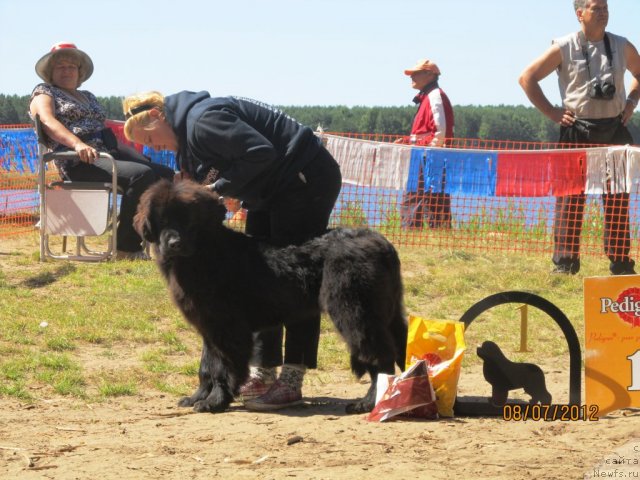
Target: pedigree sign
612, 342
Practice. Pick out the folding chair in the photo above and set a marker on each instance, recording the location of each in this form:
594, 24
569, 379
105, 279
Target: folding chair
75, 209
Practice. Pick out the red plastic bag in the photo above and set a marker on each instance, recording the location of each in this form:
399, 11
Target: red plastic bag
409, 394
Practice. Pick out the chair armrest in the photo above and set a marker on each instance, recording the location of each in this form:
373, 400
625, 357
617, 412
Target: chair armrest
47, 157
79, 185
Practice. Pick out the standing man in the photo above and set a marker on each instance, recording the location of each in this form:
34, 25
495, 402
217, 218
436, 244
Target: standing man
432, 126
591, 64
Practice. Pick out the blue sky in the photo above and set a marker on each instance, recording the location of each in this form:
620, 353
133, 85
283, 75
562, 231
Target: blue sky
296, 52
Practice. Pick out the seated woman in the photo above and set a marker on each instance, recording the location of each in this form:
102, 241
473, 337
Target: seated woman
74, 120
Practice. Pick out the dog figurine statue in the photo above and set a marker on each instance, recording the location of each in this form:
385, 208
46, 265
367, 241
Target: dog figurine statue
504, 375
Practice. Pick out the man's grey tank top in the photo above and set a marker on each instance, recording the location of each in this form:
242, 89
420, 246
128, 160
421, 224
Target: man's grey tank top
574, 80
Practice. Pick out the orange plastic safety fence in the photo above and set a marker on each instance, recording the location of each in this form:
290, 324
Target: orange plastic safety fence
462, 143
16, 126
19, 211
484, 195
492, 195
18, 182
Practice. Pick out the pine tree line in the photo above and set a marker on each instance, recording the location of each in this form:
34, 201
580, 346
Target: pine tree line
502, 122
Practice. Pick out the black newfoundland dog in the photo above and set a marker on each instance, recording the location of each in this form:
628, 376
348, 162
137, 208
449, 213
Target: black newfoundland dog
229, 285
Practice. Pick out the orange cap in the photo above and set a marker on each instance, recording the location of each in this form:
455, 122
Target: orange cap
425, 65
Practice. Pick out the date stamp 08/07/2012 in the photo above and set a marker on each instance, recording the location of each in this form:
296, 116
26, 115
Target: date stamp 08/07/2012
540, 412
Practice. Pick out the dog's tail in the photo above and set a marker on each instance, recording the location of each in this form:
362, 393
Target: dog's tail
399, 329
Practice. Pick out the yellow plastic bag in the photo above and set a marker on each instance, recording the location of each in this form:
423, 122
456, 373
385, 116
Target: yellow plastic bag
441, 344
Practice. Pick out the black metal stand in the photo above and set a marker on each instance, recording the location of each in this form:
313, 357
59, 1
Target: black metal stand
482, 406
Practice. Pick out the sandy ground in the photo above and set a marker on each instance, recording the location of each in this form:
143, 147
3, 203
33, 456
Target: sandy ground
149, 437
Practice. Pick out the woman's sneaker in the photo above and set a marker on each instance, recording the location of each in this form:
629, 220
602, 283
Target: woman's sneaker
254, 387
280, 395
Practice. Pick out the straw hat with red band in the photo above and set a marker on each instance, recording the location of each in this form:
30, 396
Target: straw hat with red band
423, 65
44, 66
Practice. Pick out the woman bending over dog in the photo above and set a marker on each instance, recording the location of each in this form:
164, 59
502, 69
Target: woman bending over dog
285, 178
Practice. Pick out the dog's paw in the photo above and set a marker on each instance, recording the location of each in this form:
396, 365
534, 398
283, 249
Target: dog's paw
203, 391
186, 402
207, 406
359, 407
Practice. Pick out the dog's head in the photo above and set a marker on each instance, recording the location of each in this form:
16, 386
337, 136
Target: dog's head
173, 215
489, 350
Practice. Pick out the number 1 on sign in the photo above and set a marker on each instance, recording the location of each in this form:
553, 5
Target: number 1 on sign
635, 371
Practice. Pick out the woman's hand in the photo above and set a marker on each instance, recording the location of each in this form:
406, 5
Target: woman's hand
86, 153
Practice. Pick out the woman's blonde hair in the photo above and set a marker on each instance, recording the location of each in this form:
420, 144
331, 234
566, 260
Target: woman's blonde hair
136, 110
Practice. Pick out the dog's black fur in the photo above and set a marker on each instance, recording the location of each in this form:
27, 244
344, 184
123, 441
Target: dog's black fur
505, 375
229, 285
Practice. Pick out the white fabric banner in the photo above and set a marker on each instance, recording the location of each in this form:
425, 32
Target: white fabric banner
355, 158
607, 170
370, 164
633, 166
391, 169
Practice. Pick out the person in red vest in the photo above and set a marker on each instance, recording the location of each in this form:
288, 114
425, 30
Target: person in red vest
432, 126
